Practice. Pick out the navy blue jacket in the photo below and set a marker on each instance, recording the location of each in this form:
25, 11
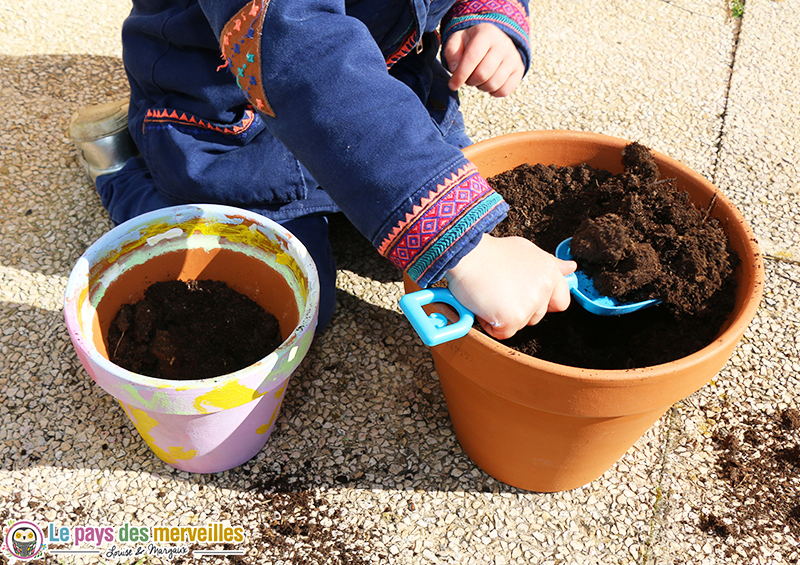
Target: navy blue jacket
295, 107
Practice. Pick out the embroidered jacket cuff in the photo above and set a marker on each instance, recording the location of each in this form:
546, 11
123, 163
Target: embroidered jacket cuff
445, 225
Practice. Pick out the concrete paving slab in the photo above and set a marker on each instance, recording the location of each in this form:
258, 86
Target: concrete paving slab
757, 168
760, 152
364, 450
653, 72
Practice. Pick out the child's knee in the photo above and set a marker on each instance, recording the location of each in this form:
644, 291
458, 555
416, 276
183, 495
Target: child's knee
312, 231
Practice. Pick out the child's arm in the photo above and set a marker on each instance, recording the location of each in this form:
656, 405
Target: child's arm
369, 141
484, 57
510, 283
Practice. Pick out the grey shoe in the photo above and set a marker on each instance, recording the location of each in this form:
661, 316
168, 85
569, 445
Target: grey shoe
101, 135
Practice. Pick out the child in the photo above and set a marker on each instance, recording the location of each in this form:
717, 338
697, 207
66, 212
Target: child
326, 106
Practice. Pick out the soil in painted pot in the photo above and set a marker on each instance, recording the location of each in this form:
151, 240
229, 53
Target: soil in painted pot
638, 237
197, 329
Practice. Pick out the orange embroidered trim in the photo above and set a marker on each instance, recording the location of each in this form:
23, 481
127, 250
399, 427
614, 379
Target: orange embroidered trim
404, 49
154, 116
425, 204
241, 48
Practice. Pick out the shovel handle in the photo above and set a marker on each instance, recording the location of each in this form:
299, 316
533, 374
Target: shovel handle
435, 329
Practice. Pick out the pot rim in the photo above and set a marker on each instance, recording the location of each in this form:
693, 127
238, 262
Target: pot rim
129, 230
751, 288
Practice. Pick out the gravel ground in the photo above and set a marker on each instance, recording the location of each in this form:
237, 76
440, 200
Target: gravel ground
363, 466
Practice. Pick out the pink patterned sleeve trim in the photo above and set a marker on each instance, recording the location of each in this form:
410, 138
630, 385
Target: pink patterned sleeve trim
432, 227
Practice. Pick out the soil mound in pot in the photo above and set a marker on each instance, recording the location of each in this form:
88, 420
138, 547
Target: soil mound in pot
197, 329
638, 237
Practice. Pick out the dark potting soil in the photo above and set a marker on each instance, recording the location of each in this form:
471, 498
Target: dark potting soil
638, 237
191, 330
758, 458
296, 525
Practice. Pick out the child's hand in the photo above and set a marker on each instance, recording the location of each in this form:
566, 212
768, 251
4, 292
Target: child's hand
485, 57
510, 283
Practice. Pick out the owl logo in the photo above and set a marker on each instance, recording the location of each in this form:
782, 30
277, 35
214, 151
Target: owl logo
24, 540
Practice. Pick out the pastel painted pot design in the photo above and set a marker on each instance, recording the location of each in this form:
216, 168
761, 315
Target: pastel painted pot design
547, 427
203, 425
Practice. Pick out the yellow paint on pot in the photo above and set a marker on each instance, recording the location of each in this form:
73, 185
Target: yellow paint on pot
279, 395
263, 429
288, 260
243, 232
229, 395
144, 423
83, 297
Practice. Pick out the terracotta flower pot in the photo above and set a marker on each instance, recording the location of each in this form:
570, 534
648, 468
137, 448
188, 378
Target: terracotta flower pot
547, 427
204, 425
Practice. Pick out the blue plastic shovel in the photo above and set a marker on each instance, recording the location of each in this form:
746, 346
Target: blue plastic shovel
435, 329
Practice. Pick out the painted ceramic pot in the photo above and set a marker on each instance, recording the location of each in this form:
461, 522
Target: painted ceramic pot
547, 427
205, 425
